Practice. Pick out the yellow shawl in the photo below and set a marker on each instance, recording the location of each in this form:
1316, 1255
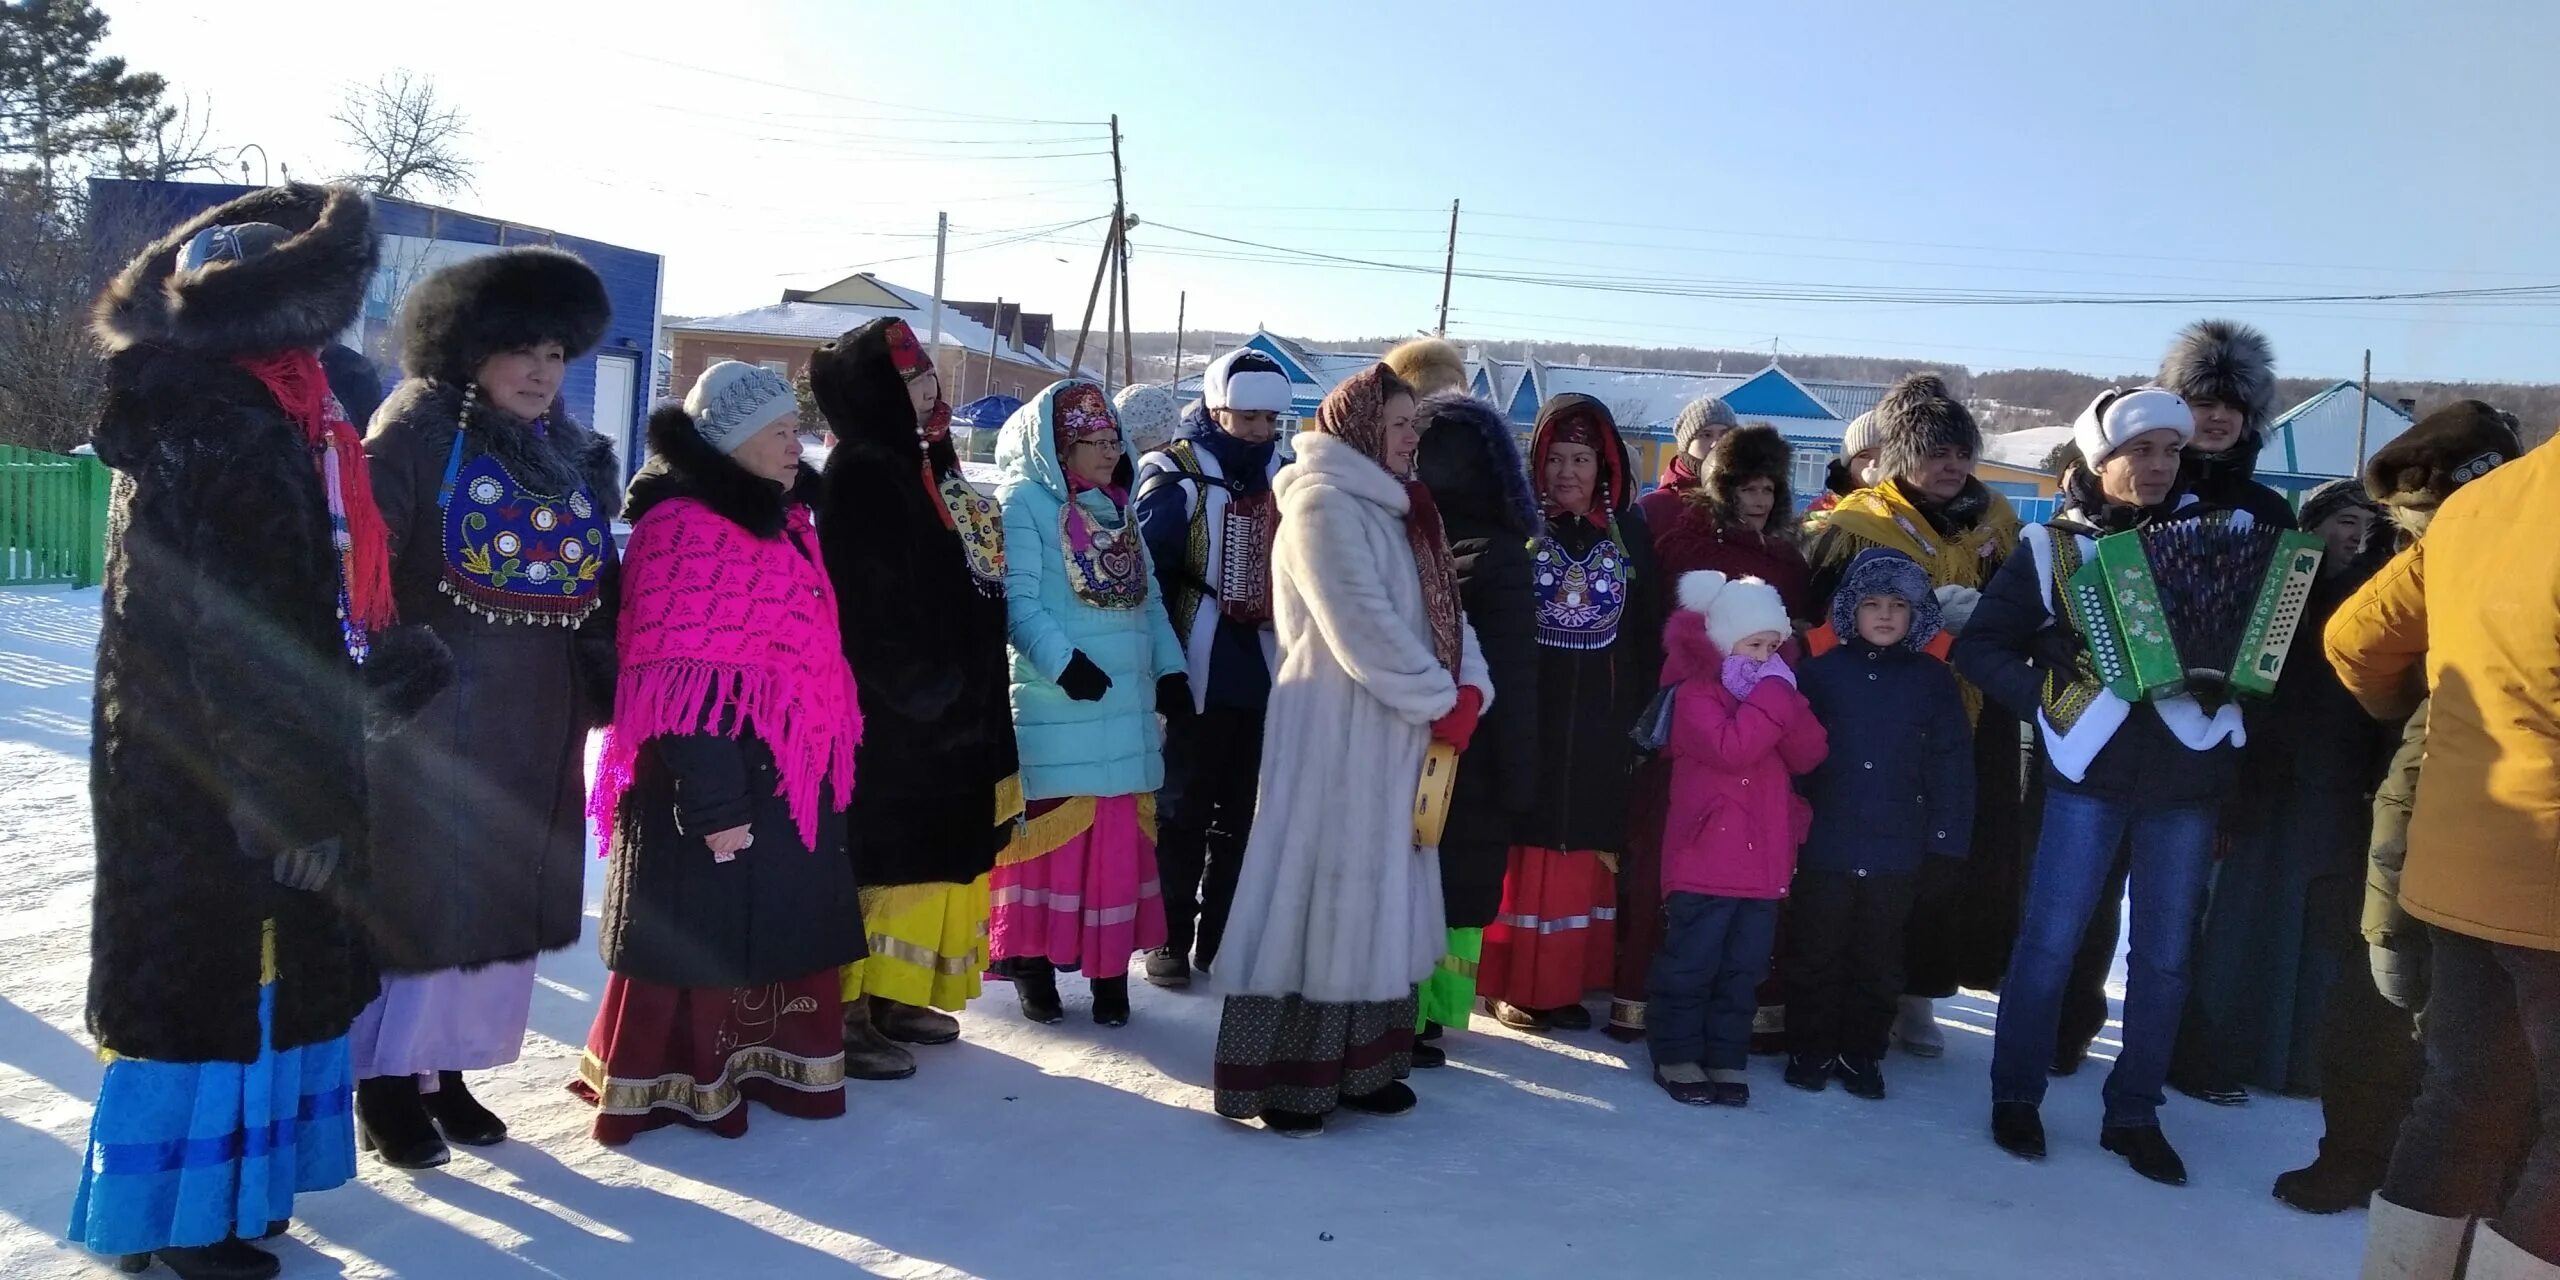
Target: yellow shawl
1879, 516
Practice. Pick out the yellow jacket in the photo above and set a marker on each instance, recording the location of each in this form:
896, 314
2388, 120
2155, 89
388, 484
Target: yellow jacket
2478, 601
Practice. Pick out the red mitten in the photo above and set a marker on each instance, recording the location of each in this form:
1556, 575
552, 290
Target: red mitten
1459, 725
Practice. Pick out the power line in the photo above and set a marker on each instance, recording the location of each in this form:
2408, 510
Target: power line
847, 97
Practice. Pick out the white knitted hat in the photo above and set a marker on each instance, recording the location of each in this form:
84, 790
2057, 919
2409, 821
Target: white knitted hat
1736, 608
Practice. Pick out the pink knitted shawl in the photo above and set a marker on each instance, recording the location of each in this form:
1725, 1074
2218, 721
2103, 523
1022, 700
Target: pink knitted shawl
722, 631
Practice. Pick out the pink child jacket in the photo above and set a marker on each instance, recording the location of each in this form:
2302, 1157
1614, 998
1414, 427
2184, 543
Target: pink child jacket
1735, 819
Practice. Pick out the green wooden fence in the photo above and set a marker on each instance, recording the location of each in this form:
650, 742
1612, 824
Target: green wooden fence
53, 519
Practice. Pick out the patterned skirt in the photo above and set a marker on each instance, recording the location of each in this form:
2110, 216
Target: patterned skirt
1281, 1053
1448, 996
928, 944
1557, 935
662, 1055
184, 1154
1078, 888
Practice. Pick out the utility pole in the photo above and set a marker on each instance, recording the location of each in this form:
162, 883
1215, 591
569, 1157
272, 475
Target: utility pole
1120, 218
2363, 408
1114, 248
941, 233
1448, 269
995, 332
1181, 312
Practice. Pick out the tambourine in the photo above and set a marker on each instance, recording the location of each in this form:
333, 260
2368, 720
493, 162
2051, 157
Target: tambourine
1431, 794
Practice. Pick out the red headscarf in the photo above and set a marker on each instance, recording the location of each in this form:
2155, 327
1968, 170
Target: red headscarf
1579, 419
301, 389
1355, 413
912, 363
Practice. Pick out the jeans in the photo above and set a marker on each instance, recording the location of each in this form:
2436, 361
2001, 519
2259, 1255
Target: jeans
1212, 766
1702, 989
2493, 1072
1844, 962
2172, 859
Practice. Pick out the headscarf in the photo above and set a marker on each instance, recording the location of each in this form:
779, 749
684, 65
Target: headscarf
1355, 414
1576, 419
912, 363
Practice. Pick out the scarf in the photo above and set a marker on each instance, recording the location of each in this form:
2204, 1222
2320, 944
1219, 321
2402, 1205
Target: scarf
1355, 413
725, 632
301, 388
1680, 473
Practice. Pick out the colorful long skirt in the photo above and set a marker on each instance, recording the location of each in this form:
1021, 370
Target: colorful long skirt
928, 945
449, 1020
1078, 887
1557, 935
185, 1154
661, 1055
1282, 1053
1448, 996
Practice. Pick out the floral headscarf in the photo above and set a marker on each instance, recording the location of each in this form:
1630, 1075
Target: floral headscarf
1355, 414
912, 363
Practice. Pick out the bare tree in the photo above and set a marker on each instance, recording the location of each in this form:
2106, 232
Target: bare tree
162, 141
406, 139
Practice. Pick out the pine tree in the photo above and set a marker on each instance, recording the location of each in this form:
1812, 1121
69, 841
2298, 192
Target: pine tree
59, 100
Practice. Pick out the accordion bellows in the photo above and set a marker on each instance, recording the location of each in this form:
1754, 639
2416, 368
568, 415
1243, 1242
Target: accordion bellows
2206, 606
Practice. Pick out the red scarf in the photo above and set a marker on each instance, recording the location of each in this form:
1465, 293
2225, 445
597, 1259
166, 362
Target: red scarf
301, 389
1680, 473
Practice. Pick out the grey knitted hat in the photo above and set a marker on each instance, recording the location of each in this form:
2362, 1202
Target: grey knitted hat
733, 400
1704, 414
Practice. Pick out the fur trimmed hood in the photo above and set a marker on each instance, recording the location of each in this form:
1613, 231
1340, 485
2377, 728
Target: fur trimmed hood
1917, 417
502, 301
1470, 462
2227, 362
1882, 571
1744, 454
682, 465
301, 293
864, 400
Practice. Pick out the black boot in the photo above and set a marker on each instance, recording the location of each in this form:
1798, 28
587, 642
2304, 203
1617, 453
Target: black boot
1393, 1099
1809, 1071
2147, 1150
1111, 1001
460, 1115
392, 1123
2019, 1129
232, 1259
1035, 984
1862, 1077
2330, 1184
1426, 1056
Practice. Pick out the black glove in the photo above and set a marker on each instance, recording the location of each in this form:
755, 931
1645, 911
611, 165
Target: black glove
2057, 648
1082, 680
1173, 693
309, 868
2401, 976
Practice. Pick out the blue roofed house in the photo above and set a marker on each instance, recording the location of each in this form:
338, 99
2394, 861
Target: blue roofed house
608, 389
2316, 440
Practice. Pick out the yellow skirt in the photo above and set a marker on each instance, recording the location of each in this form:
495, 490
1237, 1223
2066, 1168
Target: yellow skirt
928, 944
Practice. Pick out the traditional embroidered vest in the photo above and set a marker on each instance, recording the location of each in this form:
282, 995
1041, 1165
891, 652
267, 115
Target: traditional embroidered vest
981, 529
513, 555
1580, 598
1110, 572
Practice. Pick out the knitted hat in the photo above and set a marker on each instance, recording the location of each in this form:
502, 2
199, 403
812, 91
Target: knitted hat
1702, 416
1883, 571
1918, 417
2226, 362
2446, 450
733, 400
1736, 609
2330, 498
1151, 413
2118, 415
1429, 365
1247, 380
1861, 435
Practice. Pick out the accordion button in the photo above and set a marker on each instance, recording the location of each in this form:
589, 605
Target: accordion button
1868, 765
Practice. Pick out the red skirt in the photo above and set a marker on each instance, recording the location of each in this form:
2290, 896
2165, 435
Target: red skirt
697, 1055
1557, 935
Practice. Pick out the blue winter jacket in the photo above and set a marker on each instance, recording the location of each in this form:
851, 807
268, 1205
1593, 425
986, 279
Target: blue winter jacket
1898, 784
1112, 747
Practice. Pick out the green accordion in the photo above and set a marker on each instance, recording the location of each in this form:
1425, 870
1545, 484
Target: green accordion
2205, 606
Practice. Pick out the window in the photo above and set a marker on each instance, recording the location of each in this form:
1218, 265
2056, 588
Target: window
782, 367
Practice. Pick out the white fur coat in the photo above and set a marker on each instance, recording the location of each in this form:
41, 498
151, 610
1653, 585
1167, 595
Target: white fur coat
1335, 903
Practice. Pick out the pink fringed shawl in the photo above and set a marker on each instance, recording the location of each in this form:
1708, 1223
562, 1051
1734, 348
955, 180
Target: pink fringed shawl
722, 632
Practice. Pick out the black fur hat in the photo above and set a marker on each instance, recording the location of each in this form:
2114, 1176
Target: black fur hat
501, 301
302, 291
2446, 450
1917, 417
1744, 454
2226, 362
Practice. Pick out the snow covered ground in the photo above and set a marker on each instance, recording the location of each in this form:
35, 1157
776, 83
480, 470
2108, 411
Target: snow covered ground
1028, 1151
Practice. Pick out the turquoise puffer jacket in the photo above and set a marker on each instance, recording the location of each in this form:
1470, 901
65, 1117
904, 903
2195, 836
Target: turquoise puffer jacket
1113, 747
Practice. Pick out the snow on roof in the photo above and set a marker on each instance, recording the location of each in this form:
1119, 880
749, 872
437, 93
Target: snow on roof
2318, 436
818, 321
2027, 448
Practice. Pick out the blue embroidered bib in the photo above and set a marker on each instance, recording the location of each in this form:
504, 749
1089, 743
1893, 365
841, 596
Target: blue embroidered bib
512, 555
1580, 600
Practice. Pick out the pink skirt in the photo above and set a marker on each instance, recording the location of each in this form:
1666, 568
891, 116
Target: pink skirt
1077, 887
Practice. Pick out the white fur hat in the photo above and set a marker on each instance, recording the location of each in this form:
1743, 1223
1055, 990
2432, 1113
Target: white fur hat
2117, 416
1247, 380
1736, 609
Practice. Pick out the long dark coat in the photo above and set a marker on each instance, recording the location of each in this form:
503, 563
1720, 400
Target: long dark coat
925, 637
229, 723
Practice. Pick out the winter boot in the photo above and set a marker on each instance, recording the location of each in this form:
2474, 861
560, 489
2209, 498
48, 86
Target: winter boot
2067, 1058
913, 1024
869, 1055
1111, 1001
1393, 1100
2495, 1257
1729, 1088
1515, 1017
460, 1115
392, 1123
1035, 984
1810, 1072
1686, 1082
2404, 1244
1916, 1026
2147, 1149
2019, 1129
1168, 968
1426, 1056
2329, 1184
1862, 1077
1769, 1029
1293, 1124
1572, 1017
1626, 1021
232, 1259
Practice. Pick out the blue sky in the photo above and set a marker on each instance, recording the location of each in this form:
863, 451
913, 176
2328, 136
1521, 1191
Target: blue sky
2160, 149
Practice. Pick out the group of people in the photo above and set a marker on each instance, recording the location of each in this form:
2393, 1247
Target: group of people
870, 735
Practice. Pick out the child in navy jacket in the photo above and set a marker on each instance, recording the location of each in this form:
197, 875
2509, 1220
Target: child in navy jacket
1896, 788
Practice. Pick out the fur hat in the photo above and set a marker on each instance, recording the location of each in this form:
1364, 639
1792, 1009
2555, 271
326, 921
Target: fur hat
502, 301
2446, 450
1744, 454
1697, 418
1918, 417
2117, 415
1429, 365
733, 400
2226, 362
1247, 380
1883, 571
1736, 609
300, 290
1151, 413
2331, 497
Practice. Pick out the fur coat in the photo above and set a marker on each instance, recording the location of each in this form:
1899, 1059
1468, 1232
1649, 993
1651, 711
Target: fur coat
1336, 904
229, 726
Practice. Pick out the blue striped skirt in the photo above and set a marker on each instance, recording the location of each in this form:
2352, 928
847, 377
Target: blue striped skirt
185, 1154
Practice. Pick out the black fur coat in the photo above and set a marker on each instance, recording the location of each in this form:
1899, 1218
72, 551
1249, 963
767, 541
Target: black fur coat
927, 645
230, 722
